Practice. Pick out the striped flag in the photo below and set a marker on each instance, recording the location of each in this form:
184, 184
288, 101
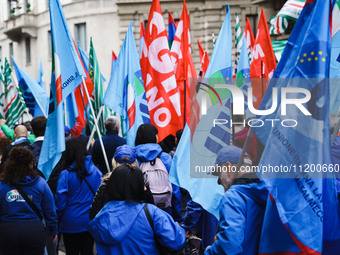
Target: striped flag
238, 41
278, 47
290, 11
14, 102
171, 29
98, 92
2, 92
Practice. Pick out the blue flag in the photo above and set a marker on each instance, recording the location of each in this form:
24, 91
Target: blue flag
71, 110
67, 73
33, 94
125, 92
40, 76
306, 200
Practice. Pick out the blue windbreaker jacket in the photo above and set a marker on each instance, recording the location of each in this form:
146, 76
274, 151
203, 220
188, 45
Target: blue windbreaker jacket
148, 152
122, 228
74, 198
241, 216
14, 208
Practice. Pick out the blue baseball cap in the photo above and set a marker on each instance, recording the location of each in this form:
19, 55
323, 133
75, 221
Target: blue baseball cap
231, 154
125, 151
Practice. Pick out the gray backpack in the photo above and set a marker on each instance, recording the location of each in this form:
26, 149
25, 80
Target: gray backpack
156, 175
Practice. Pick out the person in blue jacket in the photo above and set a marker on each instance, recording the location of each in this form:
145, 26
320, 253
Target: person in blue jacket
122, 226
148, 149
77, 184
21, 230
242, 207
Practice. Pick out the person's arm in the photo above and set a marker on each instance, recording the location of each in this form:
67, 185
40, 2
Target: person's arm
98, 201
167, 231
194, 212
61, 194
9, 132
232, 226
49, 210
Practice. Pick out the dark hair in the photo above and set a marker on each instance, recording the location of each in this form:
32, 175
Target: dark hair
179, 135
146, 133
38, 126
28, 126
111, 123
17, 166
126, 183
4, 141
75, 153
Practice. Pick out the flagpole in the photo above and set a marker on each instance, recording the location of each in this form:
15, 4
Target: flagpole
96, 125
94, 128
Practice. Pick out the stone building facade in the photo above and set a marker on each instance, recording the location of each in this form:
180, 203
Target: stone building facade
25, 28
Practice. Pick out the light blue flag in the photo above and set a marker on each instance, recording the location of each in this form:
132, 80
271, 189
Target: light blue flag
67, 72
305, 197
85, 58
40, 76
32, 93
335, 61
71, 110
125, 92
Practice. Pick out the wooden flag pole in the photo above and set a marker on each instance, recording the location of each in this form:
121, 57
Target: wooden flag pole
94, 128
96, 125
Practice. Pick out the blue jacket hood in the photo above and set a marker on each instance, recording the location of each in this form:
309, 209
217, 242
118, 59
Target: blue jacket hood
114, 221
148, 152
29, 181
256, 191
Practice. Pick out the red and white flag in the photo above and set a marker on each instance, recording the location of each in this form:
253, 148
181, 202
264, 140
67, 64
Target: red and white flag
182, 61
162, 93
264, 62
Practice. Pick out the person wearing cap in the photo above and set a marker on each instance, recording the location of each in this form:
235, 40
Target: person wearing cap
242, 207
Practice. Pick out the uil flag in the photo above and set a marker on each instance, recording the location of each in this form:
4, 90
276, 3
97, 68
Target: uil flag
182, 61
40, 76
306, 201
35, 96
263, 60
114, 60
159, 77
67, 71
125, 93
248, 32
171, 29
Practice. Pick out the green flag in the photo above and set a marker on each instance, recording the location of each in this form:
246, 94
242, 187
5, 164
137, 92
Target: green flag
2, 92
14, 102
98, 92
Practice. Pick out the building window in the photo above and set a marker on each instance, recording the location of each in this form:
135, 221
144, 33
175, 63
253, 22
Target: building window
10, 53
49, 46
28, 50
253, 21
80, 35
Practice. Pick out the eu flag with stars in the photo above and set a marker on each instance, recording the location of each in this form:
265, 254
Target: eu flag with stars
125, 92
306, 200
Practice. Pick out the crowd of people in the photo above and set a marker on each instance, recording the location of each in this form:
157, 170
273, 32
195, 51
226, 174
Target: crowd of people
132, 209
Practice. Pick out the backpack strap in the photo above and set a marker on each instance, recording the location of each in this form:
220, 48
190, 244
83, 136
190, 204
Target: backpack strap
153, 162
88, 184
148, 216
29, 201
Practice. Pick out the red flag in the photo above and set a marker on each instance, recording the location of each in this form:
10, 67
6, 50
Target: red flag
182, 61
82, 101
142, 30
200, 50
264, 63
171, 20
249, 38
159, 78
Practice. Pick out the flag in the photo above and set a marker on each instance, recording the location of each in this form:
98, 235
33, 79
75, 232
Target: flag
2, 92
171, 29
113, 63
278, 47
32, 93
184, 67
200, 50
335, 60
220, 66
158, 75
71, 112
40, 76
14, 102
98, 92
306, 201
204, 59
125, 93
141, 40
67, 73
250, 39
278, 25
238, 41
263, 60
290, 11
